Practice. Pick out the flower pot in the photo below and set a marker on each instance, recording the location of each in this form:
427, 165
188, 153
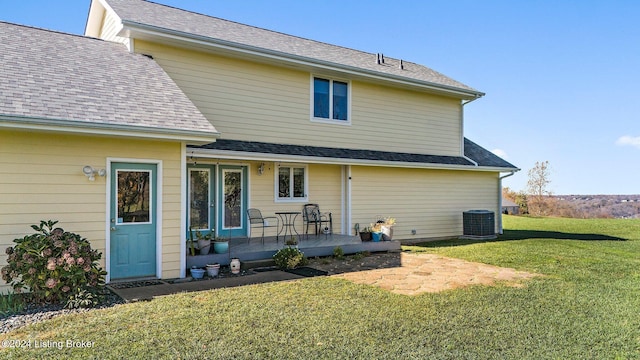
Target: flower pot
365, 236
204, 246
205, 250
376, 236
221, 247
387, 232
235, 266
197, 273
213, 269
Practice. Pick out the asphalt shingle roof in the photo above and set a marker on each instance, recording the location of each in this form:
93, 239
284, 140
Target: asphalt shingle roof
56, 76
473, 151
166, 17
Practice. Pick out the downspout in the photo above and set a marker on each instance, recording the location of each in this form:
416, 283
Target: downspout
500, 230
462, 104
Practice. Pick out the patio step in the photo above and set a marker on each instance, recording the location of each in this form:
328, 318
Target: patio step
251, 264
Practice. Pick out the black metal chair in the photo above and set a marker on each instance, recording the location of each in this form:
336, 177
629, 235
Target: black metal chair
256, 220
311, 214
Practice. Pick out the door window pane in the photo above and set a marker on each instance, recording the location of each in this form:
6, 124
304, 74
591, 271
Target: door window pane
232, 199
134, 196
199, 199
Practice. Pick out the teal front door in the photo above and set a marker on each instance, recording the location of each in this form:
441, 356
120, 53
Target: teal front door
133, 220
232, 204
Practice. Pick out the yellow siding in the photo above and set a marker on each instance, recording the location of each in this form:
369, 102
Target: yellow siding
250, 101
41, 178
429, 201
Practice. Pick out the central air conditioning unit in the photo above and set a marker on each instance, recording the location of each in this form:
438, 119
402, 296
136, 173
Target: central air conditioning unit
479, 224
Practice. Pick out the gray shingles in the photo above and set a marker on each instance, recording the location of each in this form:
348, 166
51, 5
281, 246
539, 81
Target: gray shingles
473, 151
166, 17
56, 76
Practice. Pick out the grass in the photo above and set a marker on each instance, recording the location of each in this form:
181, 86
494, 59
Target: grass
585, 307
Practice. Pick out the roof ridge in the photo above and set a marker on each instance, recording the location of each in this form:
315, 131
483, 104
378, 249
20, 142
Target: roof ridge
278, 32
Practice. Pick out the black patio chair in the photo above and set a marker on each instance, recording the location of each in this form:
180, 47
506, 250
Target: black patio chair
256, 220
311, 214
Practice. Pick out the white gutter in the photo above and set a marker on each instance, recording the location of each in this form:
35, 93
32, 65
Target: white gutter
252, 156
500, 230
131, 27
104, 129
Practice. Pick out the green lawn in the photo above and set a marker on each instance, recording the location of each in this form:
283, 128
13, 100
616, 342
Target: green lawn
586, 307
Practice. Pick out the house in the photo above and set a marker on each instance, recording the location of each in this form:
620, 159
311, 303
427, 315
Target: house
207, 118
509, 207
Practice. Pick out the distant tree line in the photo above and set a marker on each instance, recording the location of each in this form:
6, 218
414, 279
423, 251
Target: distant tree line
538, 200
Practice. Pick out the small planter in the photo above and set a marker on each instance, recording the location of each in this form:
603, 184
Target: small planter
221, 247
387, 232
197, 273
204, 246
235, 266
365, 236
213, 269
376, 236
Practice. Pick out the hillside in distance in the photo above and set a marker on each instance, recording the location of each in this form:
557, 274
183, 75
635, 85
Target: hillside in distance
602, 206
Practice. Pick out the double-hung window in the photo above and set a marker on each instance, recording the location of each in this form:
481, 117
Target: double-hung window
330, 100
291, 183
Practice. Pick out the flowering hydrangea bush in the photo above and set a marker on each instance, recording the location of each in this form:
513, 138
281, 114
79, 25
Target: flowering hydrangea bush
53, 264
289, 258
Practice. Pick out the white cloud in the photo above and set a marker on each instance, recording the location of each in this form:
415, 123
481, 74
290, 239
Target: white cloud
629, 140
501, 153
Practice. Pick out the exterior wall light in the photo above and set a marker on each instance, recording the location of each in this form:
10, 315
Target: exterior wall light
91, 173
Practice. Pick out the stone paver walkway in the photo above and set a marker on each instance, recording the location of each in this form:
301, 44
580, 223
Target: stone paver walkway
412, 274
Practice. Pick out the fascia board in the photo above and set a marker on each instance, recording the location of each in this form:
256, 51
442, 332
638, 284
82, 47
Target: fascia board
251, 156
133, 29
101, 129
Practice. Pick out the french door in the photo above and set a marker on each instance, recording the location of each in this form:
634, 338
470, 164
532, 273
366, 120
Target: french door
217, 200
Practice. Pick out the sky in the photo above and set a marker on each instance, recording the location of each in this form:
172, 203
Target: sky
560, 77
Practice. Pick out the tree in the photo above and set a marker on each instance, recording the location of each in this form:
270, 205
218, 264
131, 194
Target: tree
540, 202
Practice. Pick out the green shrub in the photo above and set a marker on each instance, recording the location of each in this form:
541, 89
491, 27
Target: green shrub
289, 258
11, 304
338, 253
54, 265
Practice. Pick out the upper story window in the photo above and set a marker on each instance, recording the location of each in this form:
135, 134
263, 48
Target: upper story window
330, 100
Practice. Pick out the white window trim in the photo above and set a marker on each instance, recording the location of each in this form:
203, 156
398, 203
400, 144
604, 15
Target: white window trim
276, 192
330, 120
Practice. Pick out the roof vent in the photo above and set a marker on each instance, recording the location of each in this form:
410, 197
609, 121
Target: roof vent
378, 58
401, 65
382, 58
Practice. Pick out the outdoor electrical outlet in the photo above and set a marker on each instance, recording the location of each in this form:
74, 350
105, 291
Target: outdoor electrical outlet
413, 231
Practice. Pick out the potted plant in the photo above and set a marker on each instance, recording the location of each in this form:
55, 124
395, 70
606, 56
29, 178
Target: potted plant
191, 243
386, 226
292, 242
365, 234
220, 245
204, 242
376, 232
